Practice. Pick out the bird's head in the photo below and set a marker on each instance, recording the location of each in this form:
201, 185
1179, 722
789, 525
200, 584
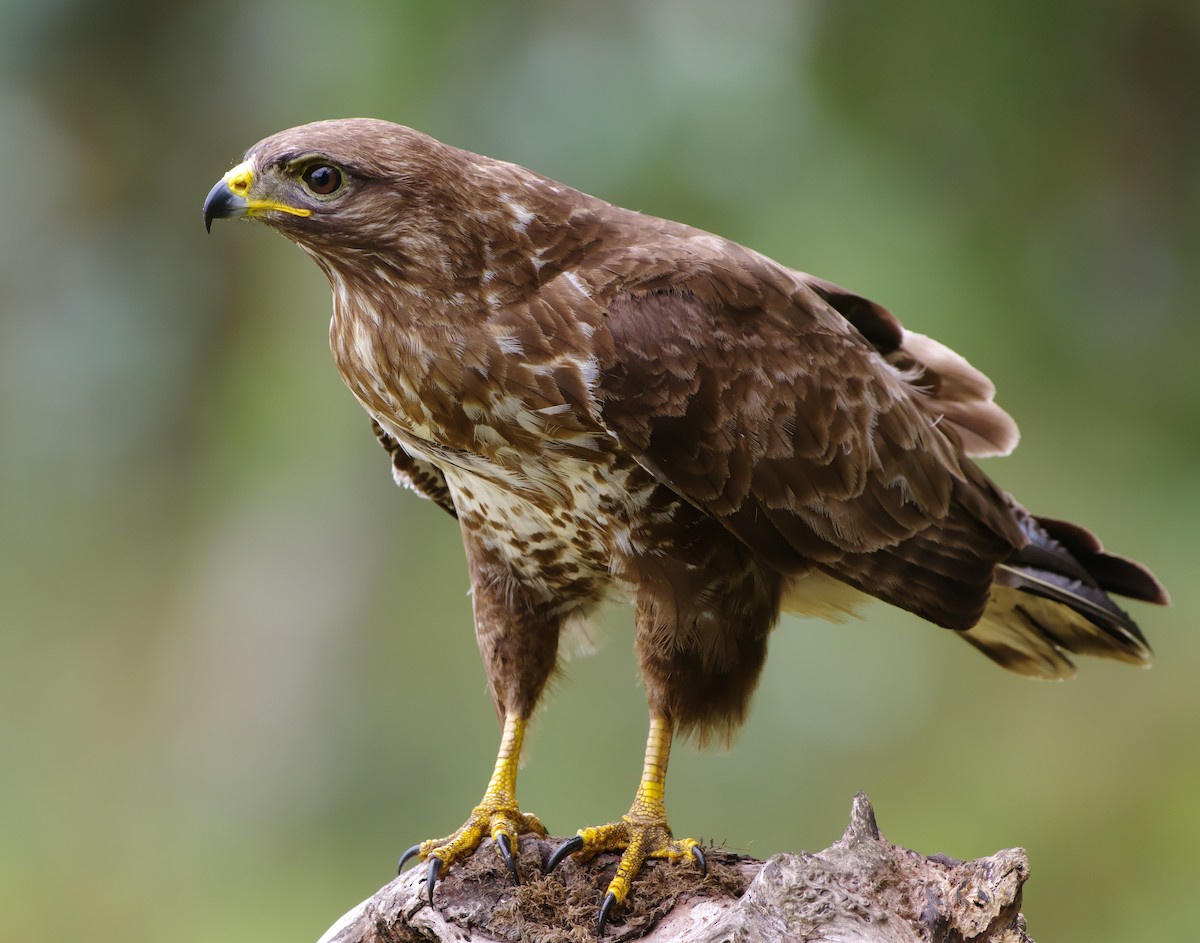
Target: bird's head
369, 199
347, 187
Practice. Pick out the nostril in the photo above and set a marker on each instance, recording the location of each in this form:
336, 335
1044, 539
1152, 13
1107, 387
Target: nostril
238, 180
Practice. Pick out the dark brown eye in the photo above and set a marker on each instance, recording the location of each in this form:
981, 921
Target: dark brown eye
322, 179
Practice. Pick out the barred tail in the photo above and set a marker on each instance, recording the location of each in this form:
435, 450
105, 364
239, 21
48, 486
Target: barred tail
1051, 598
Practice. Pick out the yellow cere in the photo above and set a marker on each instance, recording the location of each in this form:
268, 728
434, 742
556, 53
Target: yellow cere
239, 179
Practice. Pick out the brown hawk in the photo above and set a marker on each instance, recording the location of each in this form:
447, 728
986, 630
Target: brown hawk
614, 405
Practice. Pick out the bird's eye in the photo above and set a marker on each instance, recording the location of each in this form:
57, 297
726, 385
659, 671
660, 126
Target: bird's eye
322, 179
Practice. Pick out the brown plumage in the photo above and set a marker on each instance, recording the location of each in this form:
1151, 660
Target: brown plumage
617, 405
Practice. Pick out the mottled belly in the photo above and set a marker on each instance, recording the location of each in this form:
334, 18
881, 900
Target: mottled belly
568, 533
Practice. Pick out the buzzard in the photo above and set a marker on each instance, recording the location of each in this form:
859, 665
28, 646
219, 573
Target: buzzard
618, 406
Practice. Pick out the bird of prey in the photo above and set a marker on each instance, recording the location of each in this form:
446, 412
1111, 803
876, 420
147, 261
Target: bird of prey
618, 406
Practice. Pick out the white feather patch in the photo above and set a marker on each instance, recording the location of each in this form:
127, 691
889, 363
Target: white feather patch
821, 596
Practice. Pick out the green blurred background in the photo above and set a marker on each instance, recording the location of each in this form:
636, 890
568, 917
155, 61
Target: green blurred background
237, 674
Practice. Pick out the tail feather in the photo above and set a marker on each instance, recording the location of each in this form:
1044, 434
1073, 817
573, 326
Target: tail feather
1051, 598
1113, 573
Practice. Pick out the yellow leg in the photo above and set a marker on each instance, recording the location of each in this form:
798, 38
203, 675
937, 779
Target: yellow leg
497, 815
643, 831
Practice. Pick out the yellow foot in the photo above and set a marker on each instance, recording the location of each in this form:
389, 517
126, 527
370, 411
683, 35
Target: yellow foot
500, 820
639, 838
497, 816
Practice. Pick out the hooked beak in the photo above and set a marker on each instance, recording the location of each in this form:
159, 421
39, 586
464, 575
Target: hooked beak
229, 198
222, 203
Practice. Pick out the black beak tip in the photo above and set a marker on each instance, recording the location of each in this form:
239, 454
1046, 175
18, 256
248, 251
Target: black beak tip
220, 203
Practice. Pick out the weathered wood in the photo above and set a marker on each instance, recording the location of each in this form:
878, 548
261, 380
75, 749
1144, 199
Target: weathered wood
862, 889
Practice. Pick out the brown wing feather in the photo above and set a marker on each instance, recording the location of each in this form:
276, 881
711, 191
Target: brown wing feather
958, 393
745, 392
413, 473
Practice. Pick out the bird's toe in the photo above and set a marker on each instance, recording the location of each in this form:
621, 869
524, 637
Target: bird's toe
503, 823
637, 840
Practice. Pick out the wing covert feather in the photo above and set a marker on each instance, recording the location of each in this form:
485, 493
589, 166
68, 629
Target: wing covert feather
786, 412
787, 424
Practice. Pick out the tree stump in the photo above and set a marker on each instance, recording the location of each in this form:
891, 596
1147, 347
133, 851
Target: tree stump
862, 889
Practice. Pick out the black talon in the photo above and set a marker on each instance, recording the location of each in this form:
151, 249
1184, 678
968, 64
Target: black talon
506, 853
569, 847
415, 849
605, 908
435, 865
699, 856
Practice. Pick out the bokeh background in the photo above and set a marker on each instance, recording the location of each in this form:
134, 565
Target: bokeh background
237, 674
